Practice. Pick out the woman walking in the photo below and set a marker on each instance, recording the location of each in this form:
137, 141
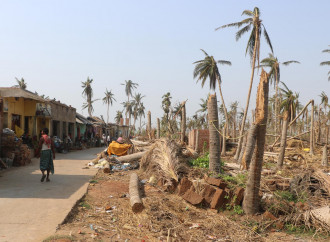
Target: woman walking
46, 153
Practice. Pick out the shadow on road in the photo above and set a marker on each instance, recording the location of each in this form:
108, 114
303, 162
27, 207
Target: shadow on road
60, 186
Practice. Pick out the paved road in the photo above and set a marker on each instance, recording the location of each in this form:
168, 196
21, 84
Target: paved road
30, 210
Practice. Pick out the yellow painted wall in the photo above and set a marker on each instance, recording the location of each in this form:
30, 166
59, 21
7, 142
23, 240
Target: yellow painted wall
22, 107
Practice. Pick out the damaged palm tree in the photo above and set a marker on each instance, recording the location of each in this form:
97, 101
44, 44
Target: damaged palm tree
251, 199
214, 138
163, 160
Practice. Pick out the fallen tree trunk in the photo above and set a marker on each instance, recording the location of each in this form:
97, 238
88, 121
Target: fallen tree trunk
140, 143
134, 194
324, 179
132, 157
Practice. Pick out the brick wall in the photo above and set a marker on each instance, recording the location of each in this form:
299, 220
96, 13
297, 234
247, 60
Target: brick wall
198, 144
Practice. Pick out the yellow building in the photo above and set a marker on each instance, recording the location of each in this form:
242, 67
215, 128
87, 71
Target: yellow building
24, 109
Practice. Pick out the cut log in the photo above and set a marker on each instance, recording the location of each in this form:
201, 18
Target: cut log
134, 194
106, 168
132, 157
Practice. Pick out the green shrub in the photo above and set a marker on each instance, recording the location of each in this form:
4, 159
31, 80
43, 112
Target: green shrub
201, 162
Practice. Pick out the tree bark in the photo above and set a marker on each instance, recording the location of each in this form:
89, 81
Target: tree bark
158, 128
283, 140
312, 130
248, 98
134, 194
251, 201
214, 137
183, 122
242, 151
223, 150
224, 107
250, 146
325, 156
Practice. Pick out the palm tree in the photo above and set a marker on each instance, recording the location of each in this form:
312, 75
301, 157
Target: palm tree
136, 104
108, 99
288, 106
88, 93
141, 113
21, 83
119, 115
128, 106
253, 47
166, 104
207, 68
324, 101
274, 75
129, 86
326, 63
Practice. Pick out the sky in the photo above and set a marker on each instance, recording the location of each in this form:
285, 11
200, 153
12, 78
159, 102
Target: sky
56, 44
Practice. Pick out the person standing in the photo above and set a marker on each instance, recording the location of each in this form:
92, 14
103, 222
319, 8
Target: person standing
108, 139
46, 153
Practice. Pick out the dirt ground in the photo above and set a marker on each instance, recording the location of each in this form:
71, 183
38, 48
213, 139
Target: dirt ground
105, 214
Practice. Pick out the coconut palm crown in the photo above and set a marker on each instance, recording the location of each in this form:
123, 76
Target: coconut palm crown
326, 63
108, 100
272, 62
21, 83
258, 28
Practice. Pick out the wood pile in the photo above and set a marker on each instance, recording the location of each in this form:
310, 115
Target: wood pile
13, 149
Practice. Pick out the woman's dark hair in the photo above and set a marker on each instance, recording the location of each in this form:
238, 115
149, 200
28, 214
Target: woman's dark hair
45, 130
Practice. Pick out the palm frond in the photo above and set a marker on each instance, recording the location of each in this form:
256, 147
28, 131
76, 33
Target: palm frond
237, 24
290, 62
267, 38
224, 62
248, 13
242, 31
325, 63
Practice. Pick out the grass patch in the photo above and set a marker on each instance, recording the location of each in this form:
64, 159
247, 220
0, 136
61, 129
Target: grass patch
234, 181
93, 181
84, 204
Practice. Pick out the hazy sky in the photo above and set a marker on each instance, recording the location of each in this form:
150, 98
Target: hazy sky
56, 44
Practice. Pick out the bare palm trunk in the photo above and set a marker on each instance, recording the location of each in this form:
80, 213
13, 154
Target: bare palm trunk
248, 99
312, 130
158, 128
183, 123
283, 140
276, 102
140, 125
250, 146
149, 124
226, 127
108, 114
214, 138
223, 150
251, 201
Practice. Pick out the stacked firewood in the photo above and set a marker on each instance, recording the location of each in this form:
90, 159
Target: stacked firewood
12, 149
